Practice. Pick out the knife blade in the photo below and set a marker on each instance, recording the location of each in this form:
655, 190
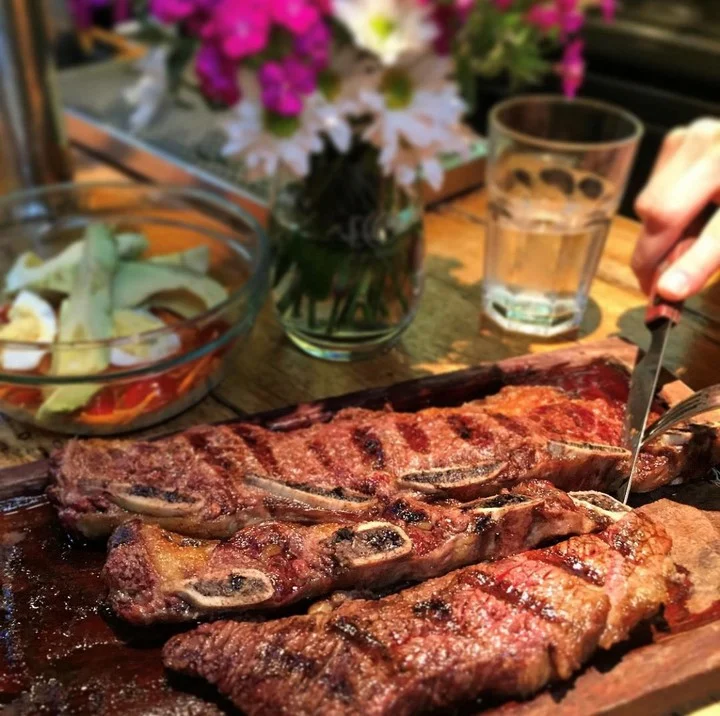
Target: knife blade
643, 384
660, 318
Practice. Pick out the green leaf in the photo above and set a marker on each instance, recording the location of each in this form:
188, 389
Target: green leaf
181, 52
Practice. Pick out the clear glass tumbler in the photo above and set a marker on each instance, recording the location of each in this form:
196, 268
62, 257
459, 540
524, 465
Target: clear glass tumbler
557, 171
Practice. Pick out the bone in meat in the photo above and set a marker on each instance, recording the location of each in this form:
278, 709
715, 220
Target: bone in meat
506, 628
157, 576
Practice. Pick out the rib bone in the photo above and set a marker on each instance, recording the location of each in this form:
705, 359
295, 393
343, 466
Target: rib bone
239, 589
154, 502
394, 541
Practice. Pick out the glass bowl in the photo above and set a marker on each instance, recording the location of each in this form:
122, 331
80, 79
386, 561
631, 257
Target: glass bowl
124, 398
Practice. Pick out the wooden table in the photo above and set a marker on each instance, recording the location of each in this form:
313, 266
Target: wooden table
448, 332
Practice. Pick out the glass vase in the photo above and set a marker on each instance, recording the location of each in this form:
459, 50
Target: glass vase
347, 269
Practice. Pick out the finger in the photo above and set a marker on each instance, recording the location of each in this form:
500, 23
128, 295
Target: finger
684, 148
672, 142
664, 223
691, 271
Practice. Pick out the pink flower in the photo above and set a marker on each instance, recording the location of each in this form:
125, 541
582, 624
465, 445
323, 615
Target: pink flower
448, 18
240, 27
298, 16
562, 14
464, 7
217, 75
284, 84
608, 10
170, 11
324, 7
314, 45
572, 68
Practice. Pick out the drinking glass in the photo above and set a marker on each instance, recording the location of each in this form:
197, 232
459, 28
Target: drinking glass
557, 171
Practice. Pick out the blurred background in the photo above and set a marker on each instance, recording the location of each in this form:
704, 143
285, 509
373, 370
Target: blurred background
659, 59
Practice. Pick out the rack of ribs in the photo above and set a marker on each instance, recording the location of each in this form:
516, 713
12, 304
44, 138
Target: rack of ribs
211, 481
506, 628
158, 576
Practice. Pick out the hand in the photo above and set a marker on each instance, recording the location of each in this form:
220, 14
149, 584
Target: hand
685, 179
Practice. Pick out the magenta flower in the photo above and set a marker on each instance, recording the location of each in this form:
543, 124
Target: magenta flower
240, 27
298, 16
572, 68
314, 45
217, 75
608, 10
324, 7
448, 18
172, 10
562, 15
284, 84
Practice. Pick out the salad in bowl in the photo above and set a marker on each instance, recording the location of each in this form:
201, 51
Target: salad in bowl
121, 309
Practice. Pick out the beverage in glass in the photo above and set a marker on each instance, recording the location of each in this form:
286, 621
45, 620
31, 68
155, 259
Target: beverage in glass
557, 170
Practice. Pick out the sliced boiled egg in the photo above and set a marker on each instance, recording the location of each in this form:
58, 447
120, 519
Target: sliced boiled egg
132, 322
31, 320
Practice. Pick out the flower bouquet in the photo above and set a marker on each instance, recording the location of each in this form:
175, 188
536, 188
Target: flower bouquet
345, 105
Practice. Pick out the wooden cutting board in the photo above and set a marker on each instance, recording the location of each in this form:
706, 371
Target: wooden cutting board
62, 651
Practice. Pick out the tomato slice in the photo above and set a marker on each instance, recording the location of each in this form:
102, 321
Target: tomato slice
135, 393
25, 397
4, 313
102, 403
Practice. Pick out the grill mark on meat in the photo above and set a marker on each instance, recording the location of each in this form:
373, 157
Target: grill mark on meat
338, 686
258, 445
433, 608
511, 424
464, 427
370, 446
279, 660
355, 634
507, 592
628, 543
459, 425
413, 435
572, 564
318, 449
209, 453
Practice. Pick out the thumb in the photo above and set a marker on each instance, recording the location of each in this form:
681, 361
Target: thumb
692, 270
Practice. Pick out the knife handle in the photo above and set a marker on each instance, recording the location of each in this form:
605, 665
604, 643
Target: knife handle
660, 307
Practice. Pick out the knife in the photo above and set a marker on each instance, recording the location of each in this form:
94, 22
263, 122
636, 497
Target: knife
660, 318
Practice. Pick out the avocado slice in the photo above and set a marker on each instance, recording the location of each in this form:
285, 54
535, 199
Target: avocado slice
66, 399
86, 315
58, 273
136, 281
196, 259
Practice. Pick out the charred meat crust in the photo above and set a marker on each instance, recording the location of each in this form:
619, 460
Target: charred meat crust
273, 564
210, 481
507, 627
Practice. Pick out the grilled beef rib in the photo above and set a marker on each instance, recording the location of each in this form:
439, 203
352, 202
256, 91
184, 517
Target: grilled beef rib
158, 576
211, 481
508, 628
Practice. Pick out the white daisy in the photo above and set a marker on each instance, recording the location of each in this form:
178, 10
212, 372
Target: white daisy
408, 164
338, 97
285, 143
387, 28
415, 108
147, 94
